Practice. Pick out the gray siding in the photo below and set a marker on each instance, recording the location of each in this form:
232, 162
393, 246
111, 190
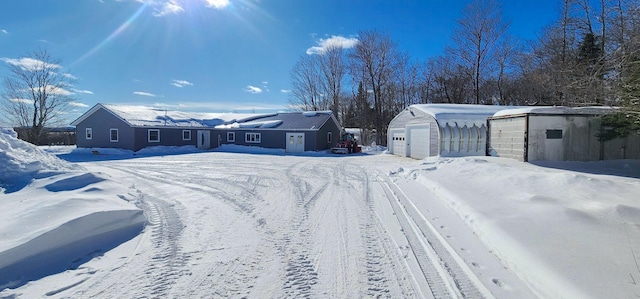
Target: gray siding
100, 122
321, 136
415, 117
168, 137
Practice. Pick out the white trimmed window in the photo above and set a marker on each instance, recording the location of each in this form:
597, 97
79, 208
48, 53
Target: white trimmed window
231, 136
186, 134
88, 133
252, 137
328, 137
113, 135
153, 135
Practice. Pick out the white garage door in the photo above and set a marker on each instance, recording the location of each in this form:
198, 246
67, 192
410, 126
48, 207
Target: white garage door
419, 141
399, 143
295, 143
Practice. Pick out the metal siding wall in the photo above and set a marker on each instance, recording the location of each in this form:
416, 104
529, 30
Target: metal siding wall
321, 136
100, 123
406, 117
507, 137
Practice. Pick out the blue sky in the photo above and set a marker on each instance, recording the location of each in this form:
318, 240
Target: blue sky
220, 55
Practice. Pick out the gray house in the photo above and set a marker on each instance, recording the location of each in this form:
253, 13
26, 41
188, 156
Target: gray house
453, 130
556, 134
137, 127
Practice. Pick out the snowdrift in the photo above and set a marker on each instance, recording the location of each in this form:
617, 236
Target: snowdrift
55, 215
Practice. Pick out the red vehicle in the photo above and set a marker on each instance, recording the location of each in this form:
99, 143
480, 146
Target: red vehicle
348, 144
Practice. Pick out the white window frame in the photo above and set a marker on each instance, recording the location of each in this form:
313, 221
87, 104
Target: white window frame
183, 136
149, 135
88, 133
329, 137
111, 135
231, 136
252, 137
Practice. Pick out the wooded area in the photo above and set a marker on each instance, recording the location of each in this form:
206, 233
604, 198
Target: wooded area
589, 56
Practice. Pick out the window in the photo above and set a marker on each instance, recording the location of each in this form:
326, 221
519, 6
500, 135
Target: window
231, 136
154, 135
554, 134
252, 137
88, 133
186, 134
113, 135
329, 137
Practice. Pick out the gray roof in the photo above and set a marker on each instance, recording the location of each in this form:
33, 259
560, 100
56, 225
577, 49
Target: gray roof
141, 116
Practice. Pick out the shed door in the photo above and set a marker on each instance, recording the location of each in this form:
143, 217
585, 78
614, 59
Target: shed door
398, 139
204, 139
419, 137
295, 142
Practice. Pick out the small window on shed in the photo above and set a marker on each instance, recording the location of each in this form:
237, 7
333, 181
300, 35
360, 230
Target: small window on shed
113, 135
88, 133
231, 136
328, 137
554, 134
186, 134
154, 135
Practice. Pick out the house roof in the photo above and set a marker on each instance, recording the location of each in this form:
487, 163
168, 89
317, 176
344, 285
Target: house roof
312, 120
596, 110
459, 114
143, 116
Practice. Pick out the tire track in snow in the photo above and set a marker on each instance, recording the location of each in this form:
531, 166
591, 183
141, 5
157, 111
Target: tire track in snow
446, 274
167, 261
232, 279
300, 273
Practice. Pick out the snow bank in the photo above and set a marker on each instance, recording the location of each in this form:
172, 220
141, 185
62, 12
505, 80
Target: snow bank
21, 161
55, 215
552, 227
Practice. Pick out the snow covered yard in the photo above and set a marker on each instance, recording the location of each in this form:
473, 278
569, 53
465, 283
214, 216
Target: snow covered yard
258, 223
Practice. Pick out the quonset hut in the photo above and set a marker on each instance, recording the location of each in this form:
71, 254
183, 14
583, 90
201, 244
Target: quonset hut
449, 130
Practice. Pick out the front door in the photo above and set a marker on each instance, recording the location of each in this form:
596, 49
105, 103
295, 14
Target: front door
204, 139
295, 142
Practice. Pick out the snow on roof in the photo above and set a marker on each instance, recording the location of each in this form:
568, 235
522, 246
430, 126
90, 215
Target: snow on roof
459, 114
599, 110
252, 124
151, 116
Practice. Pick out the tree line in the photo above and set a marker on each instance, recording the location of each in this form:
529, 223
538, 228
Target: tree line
589, 56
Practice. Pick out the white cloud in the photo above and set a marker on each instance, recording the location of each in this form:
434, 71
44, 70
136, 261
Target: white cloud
4, 31
77, 104
82, 91
217, 4
333, 41
30, 64
146, 94
181, 83
285, 90
253, 89
70, 76
58, 91
24, 101
168, 8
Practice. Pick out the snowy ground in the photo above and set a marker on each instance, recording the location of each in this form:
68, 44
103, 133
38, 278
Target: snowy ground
258, 223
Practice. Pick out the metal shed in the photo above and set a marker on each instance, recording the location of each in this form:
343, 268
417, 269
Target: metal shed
425, 130
556, 134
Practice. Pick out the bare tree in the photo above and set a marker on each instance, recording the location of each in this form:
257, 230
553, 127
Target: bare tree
36, 95
478, 33
374, 62
306, 91
333, 68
